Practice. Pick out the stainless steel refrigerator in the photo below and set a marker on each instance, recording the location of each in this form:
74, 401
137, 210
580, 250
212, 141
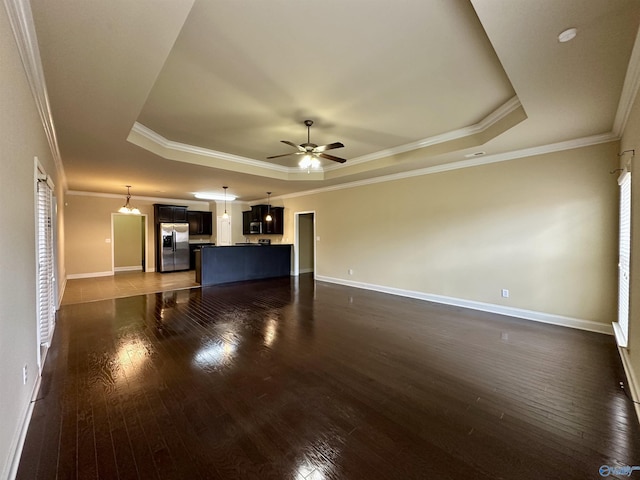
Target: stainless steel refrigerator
173, 246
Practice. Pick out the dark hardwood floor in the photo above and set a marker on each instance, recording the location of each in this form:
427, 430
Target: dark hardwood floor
288, 379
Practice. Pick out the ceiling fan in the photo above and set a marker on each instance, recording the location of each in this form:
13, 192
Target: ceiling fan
311, 151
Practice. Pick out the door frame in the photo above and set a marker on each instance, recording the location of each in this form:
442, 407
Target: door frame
296, 242
145, 267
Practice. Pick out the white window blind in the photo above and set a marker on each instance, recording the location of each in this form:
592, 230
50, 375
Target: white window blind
621, 327
46, 301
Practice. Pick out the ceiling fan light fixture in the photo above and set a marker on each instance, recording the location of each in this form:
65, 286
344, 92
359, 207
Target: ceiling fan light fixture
127, 208
305, 162
310, 161
311, 152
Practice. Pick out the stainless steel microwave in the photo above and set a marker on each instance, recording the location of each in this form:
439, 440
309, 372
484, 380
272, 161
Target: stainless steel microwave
255, 227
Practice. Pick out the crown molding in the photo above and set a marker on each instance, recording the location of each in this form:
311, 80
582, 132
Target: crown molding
204, 152
21, 20
487, 122
472, 162
629, 89
484, 124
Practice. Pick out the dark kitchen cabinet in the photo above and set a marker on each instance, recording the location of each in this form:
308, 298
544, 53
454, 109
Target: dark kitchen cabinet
200, 223
258, 213
253, 216
246, 221
276, 225
169, 213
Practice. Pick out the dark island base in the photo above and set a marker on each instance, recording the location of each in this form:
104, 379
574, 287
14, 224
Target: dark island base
237, 263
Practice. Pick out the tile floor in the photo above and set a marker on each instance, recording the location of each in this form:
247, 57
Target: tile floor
125, 284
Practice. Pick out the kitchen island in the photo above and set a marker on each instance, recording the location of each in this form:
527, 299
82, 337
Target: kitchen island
216, 265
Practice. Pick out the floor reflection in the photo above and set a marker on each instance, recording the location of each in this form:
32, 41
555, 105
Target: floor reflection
270, 331
165, 310
321, 458
216, 353
129, 360
296, 379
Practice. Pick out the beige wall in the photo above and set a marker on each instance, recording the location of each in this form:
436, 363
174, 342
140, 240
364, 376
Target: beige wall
631, 141
128, 241
22, 138
543, 227
88, 230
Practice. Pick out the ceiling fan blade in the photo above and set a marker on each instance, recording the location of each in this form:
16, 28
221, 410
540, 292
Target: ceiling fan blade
293, 145
286, 155
331, 157
331, 146
283, 155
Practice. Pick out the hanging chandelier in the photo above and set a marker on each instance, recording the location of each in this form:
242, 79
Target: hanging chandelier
127, 208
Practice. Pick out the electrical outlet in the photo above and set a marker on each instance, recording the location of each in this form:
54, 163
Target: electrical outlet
505, 293
24, 375
350, 271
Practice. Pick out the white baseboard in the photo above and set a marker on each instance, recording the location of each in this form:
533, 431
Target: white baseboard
89, 275
632, 381
132, 268
542, 317
306, 270
61, 287
17, 443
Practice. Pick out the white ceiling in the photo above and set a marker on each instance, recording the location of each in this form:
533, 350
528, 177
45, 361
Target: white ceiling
178, 96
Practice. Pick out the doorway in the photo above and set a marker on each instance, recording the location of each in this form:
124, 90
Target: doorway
129, 243
305, 243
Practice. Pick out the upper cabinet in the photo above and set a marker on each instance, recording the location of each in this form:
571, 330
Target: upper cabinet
200, 223
276, 225
169, 213
258, 214
246, 222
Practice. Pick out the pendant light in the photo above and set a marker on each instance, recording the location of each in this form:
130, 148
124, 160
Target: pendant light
268, 218
225, 215
127, 208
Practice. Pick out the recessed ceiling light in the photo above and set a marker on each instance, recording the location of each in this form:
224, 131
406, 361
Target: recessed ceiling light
568, 34
214, 196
